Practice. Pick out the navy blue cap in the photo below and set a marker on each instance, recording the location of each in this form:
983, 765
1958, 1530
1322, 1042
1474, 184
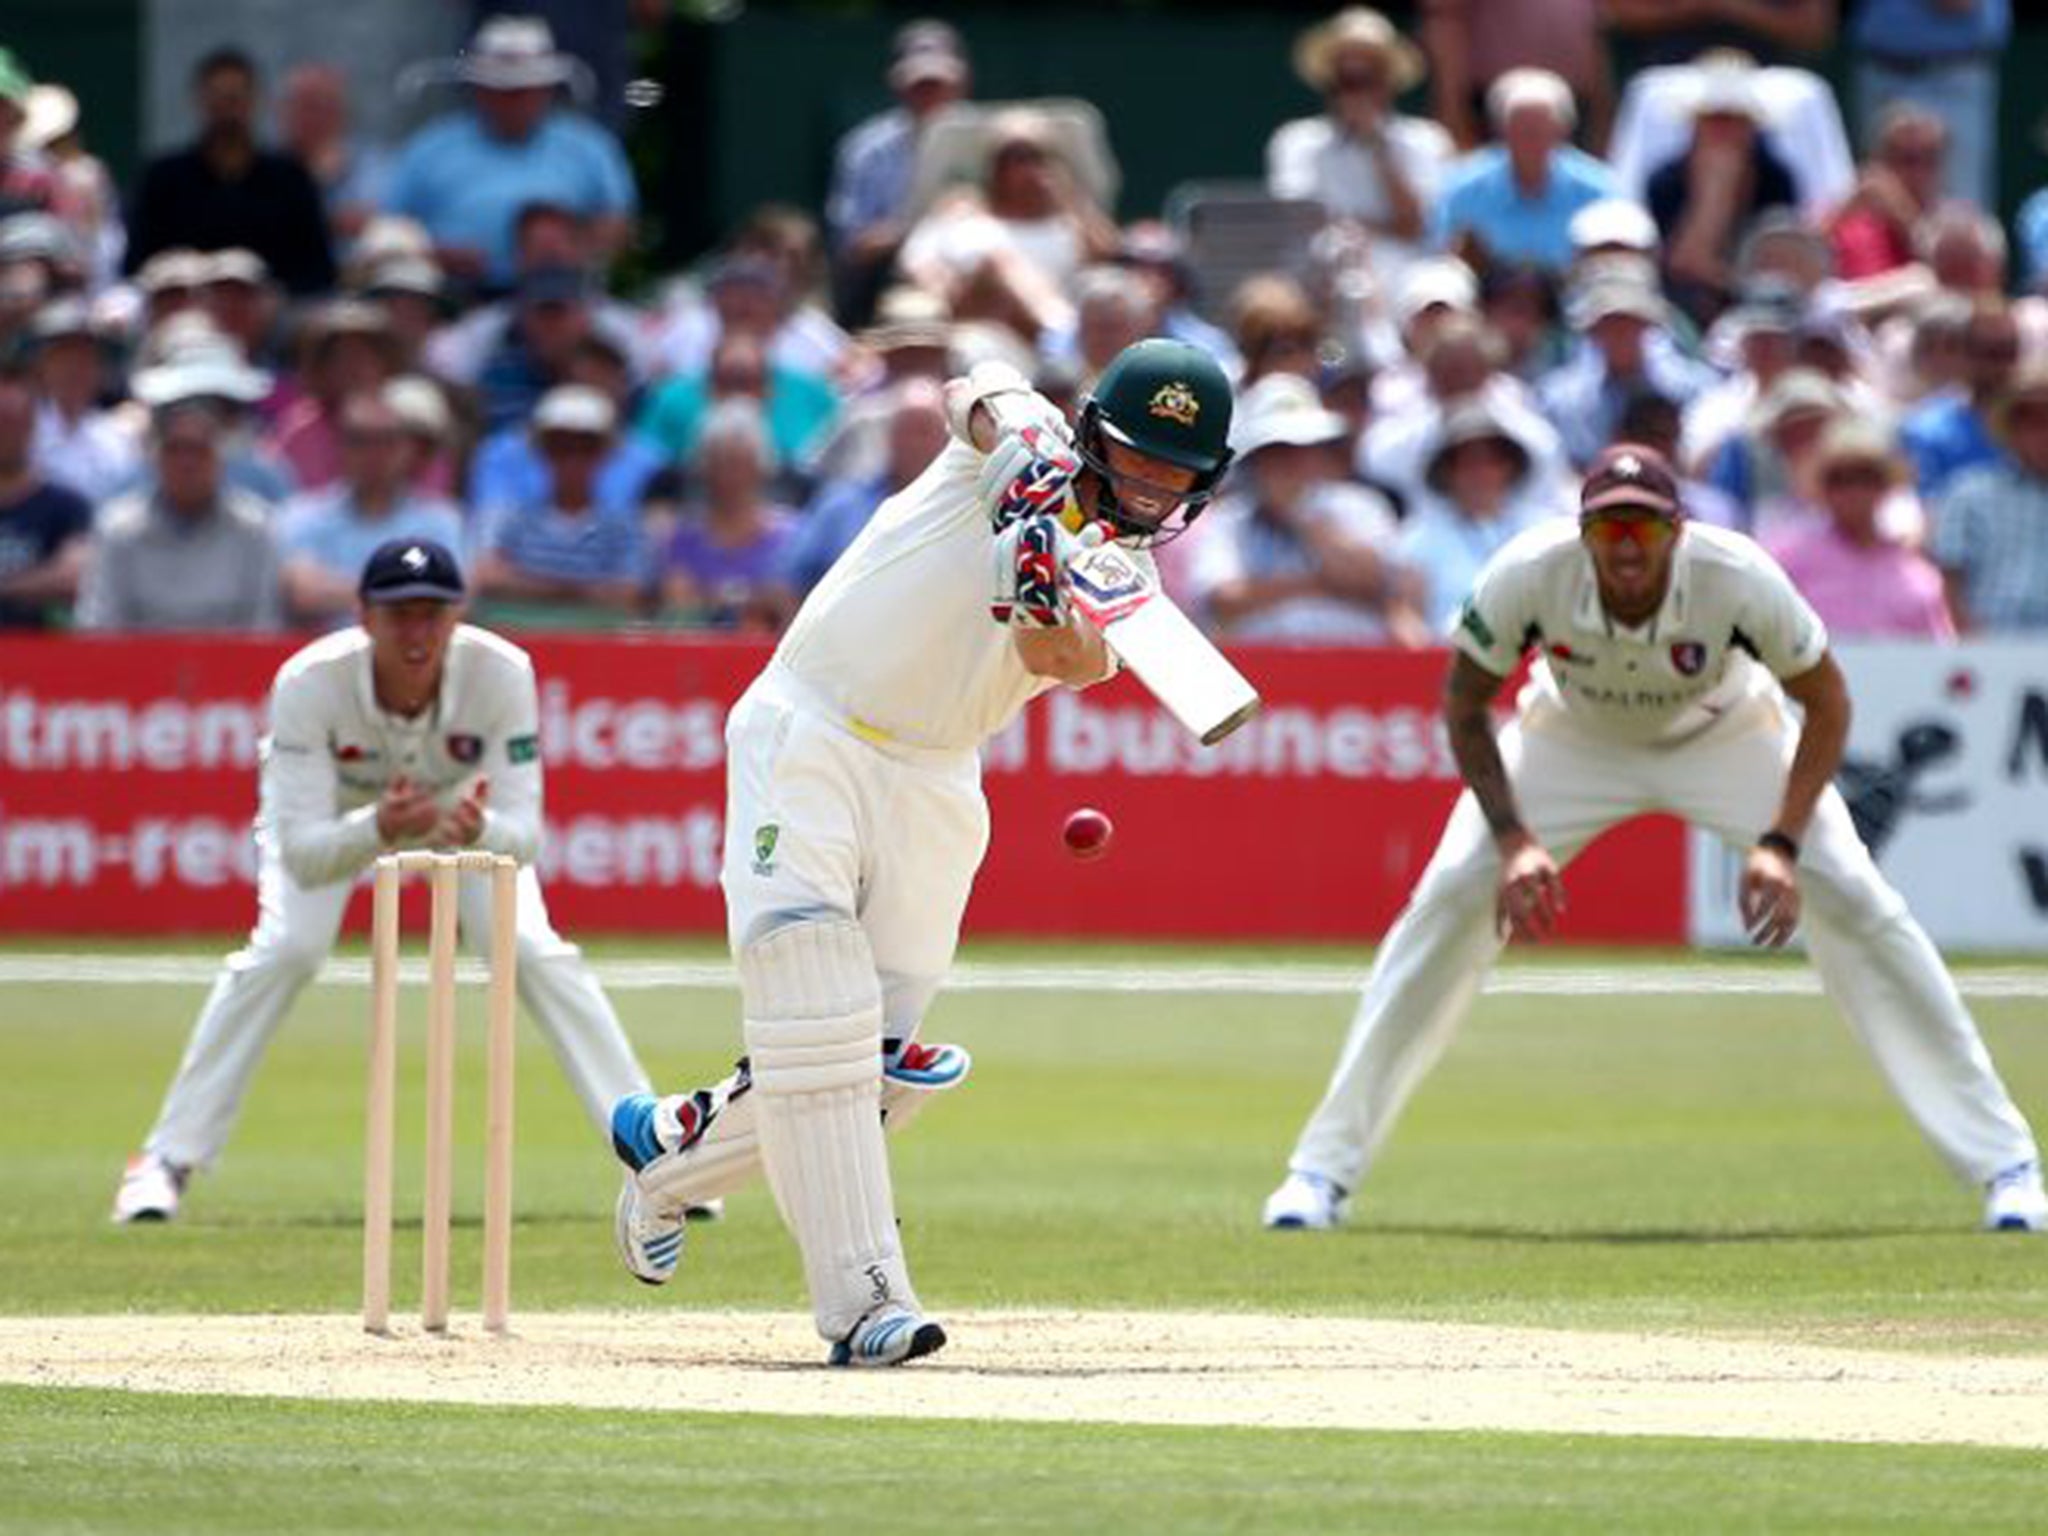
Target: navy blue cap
400, 569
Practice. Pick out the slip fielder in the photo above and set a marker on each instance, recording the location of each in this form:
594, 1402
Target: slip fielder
410, 729
1665, 653
855, 817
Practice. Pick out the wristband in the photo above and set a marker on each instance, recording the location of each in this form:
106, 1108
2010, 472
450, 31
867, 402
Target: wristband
1780, 842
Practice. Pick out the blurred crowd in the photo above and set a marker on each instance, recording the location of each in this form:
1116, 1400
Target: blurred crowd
282, 346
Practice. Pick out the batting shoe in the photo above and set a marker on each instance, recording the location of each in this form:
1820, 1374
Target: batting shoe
1304, 1202
889, 1335
2015, 1201
649, 1240
150, 1189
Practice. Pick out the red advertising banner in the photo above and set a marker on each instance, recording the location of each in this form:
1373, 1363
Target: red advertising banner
127, 780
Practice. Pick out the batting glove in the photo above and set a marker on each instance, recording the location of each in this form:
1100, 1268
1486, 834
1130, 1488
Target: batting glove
1027, 474
1031, 579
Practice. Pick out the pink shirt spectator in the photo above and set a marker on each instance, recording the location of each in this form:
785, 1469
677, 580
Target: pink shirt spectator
306, 441
1864, 590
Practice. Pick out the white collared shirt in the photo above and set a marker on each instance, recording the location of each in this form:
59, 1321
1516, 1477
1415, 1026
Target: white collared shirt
1730, 623
332, 751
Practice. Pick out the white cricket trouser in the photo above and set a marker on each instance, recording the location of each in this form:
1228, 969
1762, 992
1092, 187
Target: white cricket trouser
889, 836
1875, 961
296, 928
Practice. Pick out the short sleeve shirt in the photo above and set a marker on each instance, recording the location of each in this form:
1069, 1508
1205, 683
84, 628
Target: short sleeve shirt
32, 530
1731, 621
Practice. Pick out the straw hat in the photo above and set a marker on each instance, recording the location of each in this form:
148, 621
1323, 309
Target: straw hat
1283, 410
514, 53
1473, 421
1356, 26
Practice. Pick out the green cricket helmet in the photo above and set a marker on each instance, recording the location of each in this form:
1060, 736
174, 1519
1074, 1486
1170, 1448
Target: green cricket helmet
1169, 401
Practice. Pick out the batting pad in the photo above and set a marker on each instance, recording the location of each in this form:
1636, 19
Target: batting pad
814, 1031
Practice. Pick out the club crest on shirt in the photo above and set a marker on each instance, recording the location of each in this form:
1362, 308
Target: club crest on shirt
766, 836
1689, 657
465, 748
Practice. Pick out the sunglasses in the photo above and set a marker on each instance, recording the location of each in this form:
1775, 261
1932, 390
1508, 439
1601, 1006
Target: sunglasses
1649, 532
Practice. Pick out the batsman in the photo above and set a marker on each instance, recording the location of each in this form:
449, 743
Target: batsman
855, 819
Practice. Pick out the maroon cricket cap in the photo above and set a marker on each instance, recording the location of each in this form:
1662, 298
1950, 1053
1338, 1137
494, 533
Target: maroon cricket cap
1630, 475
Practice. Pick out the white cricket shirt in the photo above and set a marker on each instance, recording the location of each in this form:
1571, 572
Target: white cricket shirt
331, 751
897, 638
1730, 623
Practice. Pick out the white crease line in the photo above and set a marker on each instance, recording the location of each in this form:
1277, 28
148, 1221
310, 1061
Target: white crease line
1306, 980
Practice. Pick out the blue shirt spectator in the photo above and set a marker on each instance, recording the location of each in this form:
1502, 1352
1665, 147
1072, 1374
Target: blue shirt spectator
1480, 494
565, 551
799, 407
466, 176
1943, 437
1626, 351
1990, 533
508, 470
1515, 199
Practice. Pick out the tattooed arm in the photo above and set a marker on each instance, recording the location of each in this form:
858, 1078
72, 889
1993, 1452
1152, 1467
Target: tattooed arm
1530, 897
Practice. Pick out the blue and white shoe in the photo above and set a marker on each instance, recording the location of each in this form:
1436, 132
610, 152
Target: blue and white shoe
1304, 1202
650, 1241
917, 1065
889, 1335
2015, 1201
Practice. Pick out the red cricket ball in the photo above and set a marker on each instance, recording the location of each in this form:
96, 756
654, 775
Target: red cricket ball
1087, 833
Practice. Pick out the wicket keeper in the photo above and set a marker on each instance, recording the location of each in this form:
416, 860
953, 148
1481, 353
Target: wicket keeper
409, 730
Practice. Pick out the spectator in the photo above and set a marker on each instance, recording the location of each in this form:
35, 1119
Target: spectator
509, 470
1940, 57
428, 427
1965, 249
1362, 160
347, 348
1934, 343
326, 536
1155, 253
1873, 232
43, 527
1949, 433
191, 552
750, 292
1861, 581
1521, 305
414, 299
554, 314
800, 409
225, 190
466, 176
1276, 327
564, 554
26, 183
235, 292
1513, 202
1009, 252
1297, 551
1704, 200
1113, 309
84, 196
910, 341
1481, 492
1757, 340
872, 167
1613, 226
1472, 43
79, 444
1763, 469
914, 434
722, 566
1435, 292
1990, 534
313, 127
189, 361
1628, 347
1653, 421
169, 283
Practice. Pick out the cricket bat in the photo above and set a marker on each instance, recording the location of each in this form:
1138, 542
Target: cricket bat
1187, 674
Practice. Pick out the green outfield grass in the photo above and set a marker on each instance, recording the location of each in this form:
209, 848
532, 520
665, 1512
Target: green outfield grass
114, 1462
1695, 1163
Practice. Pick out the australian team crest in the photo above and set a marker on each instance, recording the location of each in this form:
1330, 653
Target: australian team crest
1176, 402
1689, 657
465, 748
766, 836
